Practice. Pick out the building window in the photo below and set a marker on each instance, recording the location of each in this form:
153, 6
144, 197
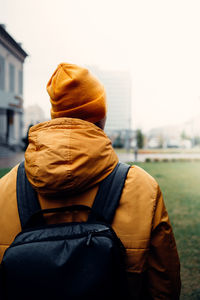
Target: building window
12, 78
2, 73
20, 82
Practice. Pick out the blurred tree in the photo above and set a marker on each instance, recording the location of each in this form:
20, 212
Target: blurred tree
118, 142
184, 136
139, 138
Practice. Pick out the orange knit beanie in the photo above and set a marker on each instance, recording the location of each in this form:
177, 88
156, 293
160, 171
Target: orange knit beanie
75, 93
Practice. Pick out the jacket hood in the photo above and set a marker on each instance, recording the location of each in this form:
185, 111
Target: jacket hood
67, 154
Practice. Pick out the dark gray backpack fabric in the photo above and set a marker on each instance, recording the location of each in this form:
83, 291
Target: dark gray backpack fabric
79, 260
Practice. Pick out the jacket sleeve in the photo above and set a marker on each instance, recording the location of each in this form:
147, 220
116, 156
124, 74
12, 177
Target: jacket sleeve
163, 261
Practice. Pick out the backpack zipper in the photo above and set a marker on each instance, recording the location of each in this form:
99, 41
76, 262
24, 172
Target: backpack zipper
94, 233
107, 233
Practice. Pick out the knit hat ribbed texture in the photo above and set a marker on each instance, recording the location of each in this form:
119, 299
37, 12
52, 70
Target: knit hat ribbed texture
75, 93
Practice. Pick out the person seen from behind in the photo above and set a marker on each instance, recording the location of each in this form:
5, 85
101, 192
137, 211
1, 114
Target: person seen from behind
66, 159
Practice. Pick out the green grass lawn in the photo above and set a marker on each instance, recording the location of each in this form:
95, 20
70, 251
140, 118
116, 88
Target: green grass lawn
4, 171
180, 184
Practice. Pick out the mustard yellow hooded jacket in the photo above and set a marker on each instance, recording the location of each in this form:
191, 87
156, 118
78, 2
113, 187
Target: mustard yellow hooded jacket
73, 156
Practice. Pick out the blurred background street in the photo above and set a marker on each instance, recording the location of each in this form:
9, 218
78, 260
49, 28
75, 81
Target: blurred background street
151, 156
9, 158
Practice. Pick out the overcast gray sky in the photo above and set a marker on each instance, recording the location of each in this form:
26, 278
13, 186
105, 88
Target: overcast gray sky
157, 40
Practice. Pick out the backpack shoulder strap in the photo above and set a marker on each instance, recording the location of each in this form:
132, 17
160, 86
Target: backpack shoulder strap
109, 193
105, 203
27, 199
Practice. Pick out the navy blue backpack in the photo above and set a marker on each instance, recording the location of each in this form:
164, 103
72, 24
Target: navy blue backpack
77, 260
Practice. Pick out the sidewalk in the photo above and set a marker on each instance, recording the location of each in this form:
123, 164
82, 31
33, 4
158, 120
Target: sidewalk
9, 158
141, 157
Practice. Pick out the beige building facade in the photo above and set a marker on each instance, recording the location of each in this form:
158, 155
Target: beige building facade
12, 58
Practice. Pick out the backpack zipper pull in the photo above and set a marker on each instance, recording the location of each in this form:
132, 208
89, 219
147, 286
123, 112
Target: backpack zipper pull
94, 232
89, 237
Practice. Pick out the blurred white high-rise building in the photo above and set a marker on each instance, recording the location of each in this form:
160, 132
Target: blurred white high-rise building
118, 90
